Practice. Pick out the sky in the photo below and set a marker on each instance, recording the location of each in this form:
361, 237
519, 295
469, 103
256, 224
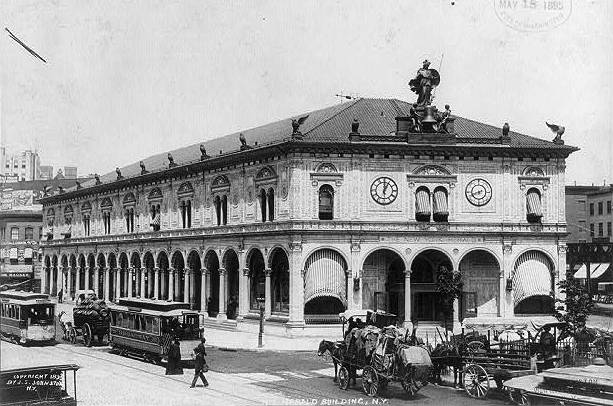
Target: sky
129, 79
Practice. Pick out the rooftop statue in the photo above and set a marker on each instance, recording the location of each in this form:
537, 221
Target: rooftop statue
558, 130
424, 82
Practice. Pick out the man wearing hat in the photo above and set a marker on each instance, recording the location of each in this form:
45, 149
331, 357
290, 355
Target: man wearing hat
200, 364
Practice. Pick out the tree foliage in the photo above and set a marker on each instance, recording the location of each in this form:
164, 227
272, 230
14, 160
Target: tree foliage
577, 306
449, 285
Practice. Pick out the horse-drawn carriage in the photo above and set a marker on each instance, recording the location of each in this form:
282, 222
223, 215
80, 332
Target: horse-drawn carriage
90, 319
479, 360
380, 350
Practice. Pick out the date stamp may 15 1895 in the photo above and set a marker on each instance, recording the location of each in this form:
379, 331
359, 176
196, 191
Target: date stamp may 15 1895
533, 15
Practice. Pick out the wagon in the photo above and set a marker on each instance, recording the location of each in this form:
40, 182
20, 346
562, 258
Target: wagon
88, 323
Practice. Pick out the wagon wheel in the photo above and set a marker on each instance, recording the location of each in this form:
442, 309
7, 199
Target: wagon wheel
87, 335
476, 381
408, 384
370, 381
383, 384
72, 335
474, 347
519, 397
343, 378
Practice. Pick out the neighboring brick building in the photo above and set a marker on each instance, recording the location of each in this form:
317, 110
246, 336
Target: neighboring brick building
577, 210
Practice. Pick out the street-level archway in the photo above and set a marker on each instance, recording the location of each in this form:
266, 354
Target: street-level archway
383, 282
257, 279
163, 275
480, 272
211, 261
193, 262
325, 286
533, 284
279, 280
426, 303
230, 263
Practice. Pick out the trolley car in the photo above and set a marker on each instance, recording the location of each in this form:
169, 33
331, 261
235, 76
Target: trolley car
26, 317
145, 328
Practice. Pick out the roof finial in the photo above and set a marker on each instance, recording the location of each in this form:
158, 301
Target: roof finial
119, 176
243, 141
171, 161
143, 170
203, 154
97, 177
296, 123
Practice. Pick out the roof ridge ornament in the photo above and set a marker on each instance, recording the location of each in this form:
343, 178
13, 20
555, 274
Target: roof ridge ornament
558, 130
119, 175
203, 154
97, 177
296, 123
243, 141
171, 161
143, 170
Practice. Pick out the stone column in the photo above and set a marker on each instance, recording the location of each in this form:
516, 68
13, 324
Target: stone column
107, 285
86, 284
43, 279
126, 281
77, 282
177, 281
192, 289
506, 297
68, 294
130, 275
97, 281
296, 283
186, 284
163, 286
243, 293
171, 284
117, 284
156, 283
151, 283
208, 285
143, 287
407, 299
267, 294
222, 294
203, 293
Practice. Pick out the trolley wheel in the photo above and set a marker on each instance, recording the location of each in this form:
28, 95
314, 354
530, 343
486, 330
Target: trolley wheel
72, 335
519, 397
87, 335
476, 381
370, 381
343, 378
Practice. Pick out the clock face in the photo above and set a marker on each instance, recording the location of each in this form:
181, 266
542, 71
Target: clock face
478, 192
384, 190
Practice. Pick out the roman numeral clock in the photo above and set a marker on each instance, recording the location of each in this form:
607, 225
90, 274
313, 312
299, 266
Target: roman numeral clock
478, 192
384, 190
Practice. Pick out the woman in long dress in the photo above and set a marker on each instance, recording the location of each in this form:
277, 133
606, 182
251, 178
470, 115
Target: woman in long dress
174, 359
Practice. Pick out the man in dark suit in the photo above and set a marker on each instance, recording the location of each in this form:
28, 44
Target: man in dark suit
200, 364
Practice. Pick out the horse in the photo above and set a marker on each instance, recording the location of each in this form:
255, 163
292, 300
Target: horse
336, 352
443, 356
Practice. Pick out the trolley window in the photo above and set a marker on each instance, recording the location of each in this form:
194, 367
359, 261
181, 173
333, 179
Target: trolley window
156, 325
38, 314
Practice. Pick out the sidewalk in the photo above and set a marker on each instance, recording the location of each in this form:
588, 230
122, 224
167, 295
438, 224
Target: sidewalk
241, 340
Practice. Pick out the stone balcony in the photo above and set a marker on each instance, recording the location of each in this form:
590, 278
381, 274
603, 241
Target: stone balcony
455, 229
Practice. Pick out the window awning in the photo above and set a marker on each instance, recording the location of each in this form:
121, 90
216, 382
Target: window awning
422, 202
27, 253
325, 276
440, 202
13, 253
596, 270
533, 202
532, 277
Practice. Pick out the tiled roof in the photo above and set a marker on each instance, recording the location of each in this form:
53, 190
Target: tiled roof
332, 124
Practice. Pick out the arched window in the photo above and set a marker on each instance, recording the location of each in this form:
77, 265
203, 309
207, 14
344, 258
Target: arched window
263, 204
422, 204
129, 213
106, 206
224, 209
14, 233
441, 208
326, 202
186, 213
86, 209
154, 210
217, 203
271, 204
533, 206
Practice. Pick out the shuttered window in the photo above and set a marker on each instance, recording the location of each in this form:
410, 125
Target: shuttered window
422, 204
533, 206
441, 209
325, 276
326, 203
531, 277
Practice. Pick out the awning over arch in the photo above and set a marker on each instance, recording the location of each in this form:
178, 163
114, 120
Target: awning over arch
531, 277
422, 202
325, 276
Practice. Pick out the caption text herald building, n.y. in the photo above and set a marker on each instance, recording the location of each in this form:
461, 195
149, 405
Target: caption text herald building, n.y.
352, 206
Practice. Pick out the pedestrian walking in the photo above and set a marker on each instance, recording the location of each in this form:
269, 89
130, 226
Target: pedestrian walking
200, 364
59, 296
173, 367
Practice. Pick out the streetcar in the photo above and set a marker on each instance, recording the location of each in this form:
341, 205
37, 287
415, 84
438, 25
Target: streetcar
26, 317
145, 328
40, 385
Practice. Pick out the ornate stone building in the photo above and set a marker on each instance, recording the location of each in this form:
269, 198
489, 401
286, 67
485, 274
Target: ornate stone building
353, 206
